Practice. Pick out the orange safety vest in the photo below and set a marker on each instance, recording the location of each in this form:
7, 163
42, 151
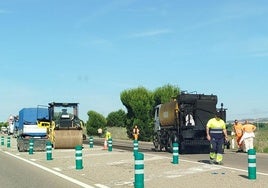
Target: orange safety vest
238, 128
135, 131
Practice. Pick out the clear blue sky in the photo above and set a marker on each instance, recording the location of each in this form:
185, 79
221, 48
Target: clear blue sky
89, 51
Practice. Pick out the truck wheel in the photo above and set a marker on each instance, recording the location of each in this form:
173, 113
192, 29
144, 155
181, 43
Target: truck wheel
19, 149
169, 146
156, 143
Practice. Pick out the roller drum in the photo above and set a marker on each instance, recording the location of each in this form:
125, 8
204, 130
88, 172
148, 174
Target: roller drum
67, 139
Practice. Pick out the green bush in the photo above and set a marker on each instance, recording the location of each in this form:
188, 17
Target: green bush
265, 150
261, 141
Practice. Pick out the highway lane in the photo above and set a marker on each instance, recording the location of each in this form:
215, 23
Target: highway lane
231, 159
16, 173
119, 164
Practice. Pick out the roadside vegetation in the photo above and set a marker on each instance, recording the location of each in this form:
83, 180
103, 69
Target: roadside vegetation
139, 103
118, 133
261, 139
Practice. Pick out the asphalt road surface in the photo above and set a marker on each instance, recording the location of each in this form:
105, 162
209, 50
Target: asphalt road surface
104, 169
231, 159
17, 173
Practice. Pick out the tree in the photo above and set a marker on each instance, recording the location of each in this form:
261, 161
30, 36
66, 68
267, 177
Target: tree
117, 119
139, 104
95, 121
165, 93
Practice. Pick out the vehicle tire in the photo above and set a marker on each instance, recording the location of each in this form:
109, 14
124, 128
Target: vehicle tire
19, 149
169, 146
156, 141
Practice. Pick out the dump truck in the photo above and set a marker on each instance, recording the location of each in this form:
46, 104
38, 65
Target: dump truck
33, 124
183, 120
65, 129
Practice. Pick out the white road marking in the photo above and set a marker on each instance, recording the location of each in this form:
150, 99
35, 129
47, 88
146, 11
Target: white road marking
230, 168
119, 162
101, 186
193, 170
129, 183
53, 172
56, 168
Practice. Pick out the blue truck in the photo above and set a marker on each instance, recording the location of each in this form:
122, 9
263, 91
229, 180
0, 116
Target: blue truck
33, 124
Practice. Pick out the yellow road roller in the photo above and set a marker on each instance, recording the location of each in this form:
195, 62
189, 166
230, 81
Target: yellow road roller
65, 131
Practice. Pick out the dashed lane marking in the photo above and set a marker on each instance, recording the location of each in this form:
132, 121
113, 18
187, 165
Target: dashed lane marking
192, 170
230, 168
225, 167
101, 186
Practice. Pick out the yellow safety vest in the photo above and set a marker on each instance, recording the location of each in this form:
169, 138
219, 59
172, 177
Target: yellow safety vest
108, 135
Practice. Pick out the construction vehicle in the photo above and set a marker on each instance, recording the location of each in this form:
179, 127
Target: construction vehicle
65, 129
183, 120
33, 124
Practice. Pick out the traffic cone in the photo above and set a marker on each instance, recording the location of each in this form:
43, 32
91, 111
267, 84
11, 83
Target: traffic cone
105, 144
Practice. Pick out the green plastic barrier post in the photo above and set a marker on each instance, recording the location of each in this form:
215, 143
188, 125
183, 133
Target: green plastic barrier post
91, 142
78, 157
8, 141
49, 150
251, 164
139, 170
31, 146
2, 140
175, 153
135, 147
110, 144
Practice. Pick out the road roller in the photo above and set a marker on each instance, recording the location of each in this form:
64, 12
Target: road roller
65, 131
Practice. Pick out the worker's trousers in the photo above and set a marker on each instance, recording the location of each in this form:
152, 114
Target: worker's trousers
248, 143
239, 145
216, 149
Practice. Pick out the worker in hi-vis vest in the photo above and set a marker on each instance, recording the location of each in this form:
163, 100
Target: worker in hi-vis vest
108, 135
248, 135
238, 131
136, 132
216, 134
